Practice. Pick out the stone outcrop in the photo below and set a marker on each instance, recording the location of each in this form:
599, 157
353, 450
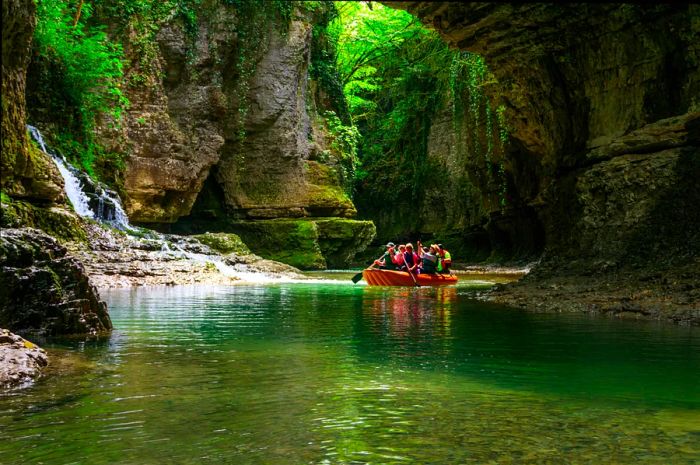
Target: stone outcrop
221, 128
46, 291
21, 361
116, 260
26, 171
275, 171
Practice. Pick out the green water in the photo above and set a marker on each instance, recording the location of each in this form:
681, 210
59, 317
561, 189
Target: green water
335, 373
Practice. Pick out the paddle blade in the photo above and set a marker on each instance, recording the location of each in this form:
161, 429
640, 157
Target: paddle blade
357, 278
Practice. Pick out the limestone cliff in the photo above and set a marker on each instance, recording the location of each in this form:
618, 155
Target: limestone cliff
586, 87
215, 104
227, 123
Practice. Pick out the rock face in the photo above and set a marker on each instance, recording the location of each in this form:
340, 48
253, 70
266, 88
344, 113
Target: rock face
603, 107
20, 361
584, 84
229, 125
26, 171
253, 131
46, 291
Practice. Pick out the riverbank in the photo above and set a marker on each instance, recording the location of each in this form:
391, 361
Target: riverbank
661, 294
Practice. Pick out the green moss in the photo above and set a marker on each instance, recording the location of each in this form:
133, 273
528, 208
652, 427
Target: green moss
340, 239
64, 226
290, 241
225, 243
307, 243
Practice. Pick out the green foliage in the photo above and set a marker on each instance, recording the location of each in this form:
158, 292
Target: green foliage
90, 64
396, 76
79, 77
389, 64
345, 142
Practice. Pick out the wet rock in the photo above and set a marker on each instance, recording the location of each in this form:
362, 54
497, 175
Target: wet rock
45, 290
114, 259
225, 243
21, 362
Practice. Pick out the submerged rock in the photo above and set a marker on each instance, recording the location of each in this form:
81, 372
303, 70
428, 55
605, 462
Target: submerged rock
45, 290
20, 360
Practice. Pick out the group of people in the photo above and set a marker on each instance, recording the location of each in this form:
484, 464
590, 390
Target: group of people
430, 260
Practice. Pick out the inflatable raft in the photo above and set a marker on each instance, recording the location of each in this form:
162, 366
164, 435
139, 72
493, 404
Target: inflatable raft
402, 278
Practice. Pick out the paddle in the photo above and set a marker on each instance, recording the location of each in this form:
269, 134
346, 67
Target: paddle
410, 273
355, 279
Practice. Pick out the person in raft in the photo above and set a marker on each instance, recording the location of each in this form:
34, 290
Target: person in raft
428, 259
445, 260
386, 262
399, 260
411, 260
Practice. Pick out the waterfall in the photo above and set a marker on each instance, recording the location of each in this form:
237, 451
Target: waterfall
89, 199
94, 200
75, 193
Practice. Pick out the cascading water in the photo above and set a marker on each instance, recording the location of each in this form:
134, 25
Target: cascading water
75, 193
104, 206
92, 200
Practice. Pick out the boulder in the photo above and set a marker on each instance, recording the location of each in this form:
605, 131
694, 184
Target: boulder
20, 360
46, 291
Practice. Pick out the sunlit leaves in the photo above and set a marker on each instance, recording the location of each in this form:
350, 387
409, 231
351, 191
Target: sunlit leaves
91, 63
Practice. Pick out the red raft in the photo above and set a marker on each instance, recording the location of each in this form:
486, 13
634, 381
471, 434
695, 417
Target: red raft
402, 278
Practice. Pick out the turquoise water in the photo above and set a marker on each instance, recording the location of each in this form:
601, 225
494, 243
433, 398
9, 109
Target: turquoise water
335, 373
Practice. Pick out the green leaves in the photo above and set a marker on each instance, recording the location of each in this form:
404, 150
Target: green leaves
91, 64
84, 75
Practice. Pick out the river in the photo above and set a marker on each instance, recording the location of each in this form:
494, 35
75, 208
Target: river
328, 372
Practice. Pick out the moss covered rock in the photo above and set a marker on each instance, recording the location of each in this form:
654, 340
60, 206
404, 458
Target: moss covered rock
308, 244
290, 241
56, 221
340, 239
225, 243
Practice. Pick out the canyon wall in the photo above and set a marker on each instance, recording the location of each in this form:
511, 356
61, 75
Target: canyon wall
229, 126
602, 104
603, 110
253, 130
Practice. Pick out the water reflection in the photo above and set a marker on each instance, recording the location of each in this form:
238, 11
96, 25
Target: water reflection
291, 374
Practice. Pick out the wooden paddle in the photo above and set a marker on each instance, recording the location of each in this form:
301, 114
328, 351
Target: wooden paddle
409, 272
355, 279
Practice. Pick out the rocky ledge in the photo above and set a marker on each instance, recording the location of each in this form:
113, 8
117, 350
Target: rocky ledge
671, 294
114, 259
46, 290
20, 361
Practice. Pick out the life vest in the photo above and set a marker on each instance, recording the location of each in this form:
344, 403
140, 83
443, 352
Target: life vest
442, 266
428, 265
389, 262
408, 259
